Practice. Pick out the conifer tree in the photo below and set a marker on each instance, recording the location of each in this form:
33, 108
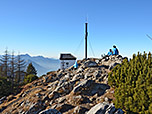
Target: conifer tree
4, 64
31, 70
20, 70
1, 70
12, 70
30, 74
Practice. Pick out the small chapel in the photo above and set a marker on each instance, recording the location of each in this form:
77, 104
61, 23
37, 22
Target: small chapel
66, 60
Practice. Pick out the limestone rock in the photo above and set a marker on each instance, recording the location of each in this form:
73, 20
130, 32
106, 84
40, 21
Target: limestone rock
99, 89
79, 110
104, 108
54, 95
2, 99
50, 111
79, 99
90, 64
64, 107
112, 65
77, 77
61, 99
98, 109
83, 84
35, 108
80, 69
119, 111
87, 76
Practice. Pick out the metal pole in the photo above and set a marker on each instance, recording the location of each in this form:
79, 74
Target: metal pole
86, 35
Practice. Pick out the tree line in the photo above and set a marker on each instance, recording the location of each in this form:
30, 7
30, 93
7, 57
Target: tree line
132, 81
13, 73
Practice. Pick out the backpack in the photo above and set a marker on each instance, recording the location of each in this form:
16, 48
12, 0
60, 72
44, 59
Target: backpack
117, 52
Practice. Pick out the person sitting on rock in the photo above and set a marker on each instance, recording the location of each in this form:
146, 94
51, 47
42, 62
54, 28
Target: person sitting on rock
110, 52
115, 50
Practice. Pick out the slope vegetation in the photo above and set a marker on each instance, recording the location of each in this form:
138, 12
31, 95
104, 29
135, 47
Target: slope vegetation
133, 82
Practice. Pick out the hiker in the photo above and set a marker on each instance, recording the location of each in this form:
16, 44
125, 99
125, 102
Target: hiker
115, 50
110, 52
75, 65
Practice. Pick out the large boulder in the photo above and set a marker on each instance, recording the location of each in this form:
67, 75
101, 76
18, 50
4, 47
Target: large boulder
90, 64
82, 84
99, 89
104, 108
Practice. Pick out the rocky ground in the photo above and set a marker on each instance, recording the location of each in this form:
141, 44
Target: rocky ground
84, 90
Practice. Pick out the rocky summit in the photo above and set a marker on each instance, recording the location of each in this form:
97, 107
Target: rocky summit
84, 90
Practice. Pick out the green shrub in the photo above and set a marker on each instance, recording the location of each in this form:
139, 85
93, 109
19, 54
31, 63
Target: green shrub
29, 78
132, 81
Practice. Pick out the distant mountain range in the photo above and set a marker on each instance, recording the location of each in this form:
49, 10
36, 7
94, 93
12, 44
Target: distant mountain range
42, 64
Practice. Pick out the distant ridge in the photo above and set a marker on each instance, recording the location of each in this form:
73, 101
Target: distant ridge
41, 64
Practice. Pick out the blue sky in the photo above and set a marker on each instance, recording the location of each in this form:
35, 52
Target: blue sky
51, 27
